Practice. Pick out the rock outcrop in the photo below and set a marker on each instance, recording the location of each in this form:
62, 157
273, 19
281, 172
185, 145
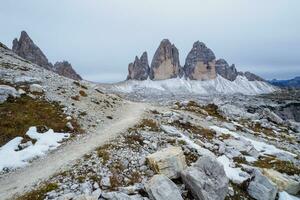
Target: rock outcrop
161, 187
139, 69
200, 63
206, 179
65, 69
25, 48
165, 63
226, 71
169, 161
250, 76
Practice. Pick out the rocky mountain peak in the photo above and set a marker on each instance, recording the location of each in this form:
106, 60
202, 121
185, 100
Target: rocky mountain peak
165, 63
226, 71
200, 63
64, 68
25, 48
139, 69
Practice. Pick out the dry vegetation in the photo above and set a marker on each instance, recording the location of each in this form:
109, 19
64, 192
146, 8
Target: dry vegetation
40, 193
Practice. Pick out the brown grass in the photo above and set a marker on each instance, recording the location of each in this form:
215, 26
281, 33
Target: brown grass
82, 93
40, 193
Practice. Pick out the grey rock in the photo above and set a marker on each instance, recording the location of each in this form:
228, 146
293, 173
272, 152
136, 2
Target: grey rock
25, 48
250, 76
206, 179
161, 187
6, 91
261, 188
36, 88
24, 80
139, 69
226, 71
65, 69
165, 63
119, 196
200, 63
3, 46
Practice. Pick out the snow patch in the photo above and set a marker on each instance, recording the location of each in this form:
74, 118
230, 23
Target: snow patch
11, 157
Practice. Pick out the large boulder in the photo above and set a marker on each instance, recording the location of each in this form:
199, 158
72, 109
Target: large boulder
226, 71
165, 63
25, 48
161, 187
139, 69
206, 179
261, 188
65, 69
169, 161
200, 63
283, 183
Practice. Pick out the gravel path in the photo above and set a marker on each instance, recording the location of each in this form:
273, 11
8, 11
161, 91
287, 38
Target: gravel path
23, 180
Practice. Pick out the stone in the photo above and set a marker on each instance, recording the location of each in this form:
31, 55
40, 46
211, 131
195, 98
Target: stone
25, 48
119, 196
206, 179
284, 183
86, 197
24, 80
161, 187
226, 71
271, 116
169, 161
7, 91
165, 63
200, 63
261, 188
36, 88
139, 69
65, 69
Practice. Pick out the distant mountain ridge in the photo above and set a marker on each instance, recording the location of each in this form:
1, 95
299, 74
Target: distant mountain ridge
27, 49
291, 83
200, 64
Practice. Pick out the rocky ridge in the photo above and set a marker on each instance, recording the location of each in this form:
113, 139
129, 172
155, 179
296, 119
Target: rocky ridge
200, 64
27, 49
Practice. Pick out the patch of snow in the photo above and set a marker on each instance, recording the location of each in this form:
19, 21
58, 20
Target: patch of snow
236, 175
250, 159
262, 147
182, 86
11, 157
285, 196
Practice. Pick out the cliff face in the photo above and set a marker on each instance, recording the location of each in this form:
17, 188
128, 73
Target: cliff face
165, 63
226, 71
139, 69
200, 63
27, 49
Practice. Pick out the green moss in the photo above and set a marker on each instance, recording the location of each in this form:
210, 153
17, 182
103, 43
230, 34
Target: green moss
40, 193
17, 115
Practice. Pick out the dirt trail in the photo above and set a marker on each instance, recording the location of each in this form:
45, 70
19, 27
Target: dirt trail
22, 180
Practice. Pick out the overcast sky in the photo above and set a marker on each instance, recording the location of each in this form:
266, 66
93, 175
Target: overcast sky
100, 37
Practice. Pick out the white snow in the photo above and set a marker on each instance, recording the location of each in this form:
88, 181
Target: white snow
11, 157
234, 174
262, 147
285, 196
181, 85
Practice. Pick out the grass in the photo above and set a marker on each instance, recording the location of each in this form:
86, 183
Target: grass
17, 115
103, 153
82, 93
40, 193
148, 124
240, 192
271, 162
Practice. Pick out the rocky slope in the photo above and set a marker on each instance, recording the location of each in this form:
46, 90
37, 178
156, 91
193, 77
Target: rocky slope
226, 71
139, 69
25, 48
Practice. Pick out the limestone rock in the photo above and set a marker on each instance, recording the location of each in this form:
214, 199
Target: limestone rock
24, 80
261, 188
3, 46
6, 91
250, 76
161, 187
165, 63
169, 161
200, 63
36, 88
206, 179
25, 48
139, 69
65, 69
283, 183
226, 71
119, 196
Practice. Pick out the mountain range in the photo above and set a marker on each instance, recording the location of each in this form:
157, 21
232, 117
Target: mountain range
291, 83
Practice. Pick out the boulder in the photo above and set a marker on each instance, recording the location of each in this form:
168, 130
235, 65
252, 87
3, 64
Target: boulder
284, 183
165, 63
271, 116
119, 196
139, 69
6, 91
206, 179
161, 187
169, 161
200, 63
226, 71
36, 88
25, 48
65, 69
261, 188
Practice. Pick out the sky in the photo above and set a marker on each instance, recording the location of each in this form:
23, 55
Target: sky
101, 37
